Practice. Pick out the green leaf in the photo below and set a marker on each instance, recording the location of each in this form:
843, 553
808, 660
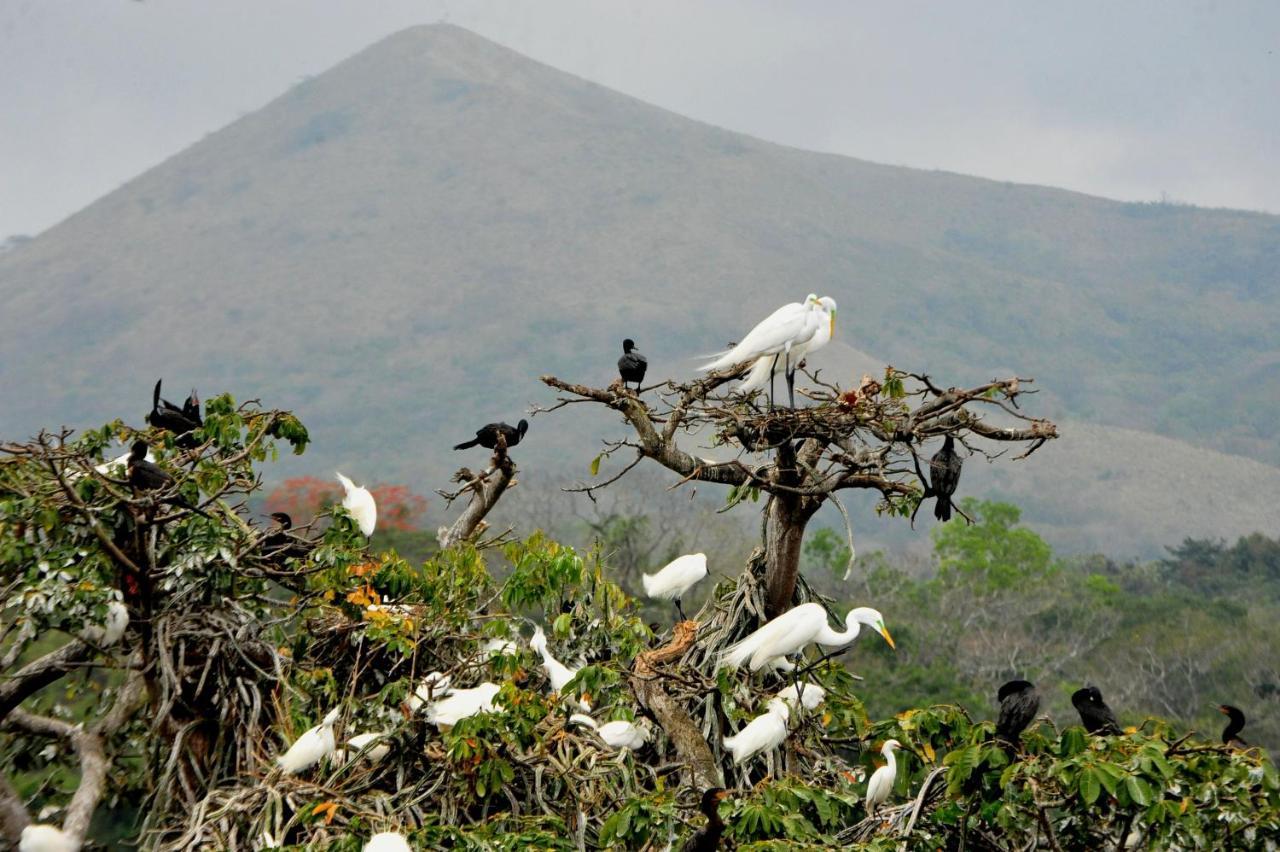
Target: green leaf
595, 464
1090, 786
1139, 791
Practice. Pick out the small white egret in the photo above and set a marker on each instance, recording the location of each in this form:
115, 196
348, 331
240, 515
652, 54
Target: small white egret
46, 838
361, 744
881, 783
618, 733
764, 732
313, 746
796, 628
359, 502
461, 703
777, 335
433, 685
810, 695
388, 841
111, 630
676, 578
498, 648
766, 367
557, 672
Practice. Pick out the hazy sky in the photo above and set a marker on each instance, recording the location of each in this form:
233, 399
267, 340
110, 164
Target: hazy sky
1132, 100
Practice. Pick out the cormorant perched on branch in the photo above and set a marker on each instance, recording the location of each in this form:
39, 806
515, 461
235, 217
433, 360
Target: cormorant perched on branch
1019, 703
149, 476
487, 436
632, 365
1094, 712
280, 542
180, 421
1231, 733
707, 838
944, 473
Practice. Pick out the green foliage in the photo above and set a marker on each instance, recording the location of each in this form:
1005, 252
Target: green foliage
992, 554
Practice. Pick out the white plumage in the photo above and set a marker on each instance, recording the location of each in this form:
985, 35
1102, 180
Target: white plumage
498, 648
359, 502
676, 577
46, 838
764, 732
461, 703
358, 743
313, 746
388, 841
433, 685
881, 783
796, 628
768, 366
810, 695
780, 332
111, 630
557, 672
118, 465
617, 734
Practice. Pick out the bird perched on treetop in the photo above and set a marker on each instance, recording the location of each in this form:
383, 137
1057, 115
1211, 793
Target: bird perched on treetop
944, 473
632, 365
766, 367
1231, 733
707, 838
777, 335
1095, 715
487, 435
359, 502
180, 421
797, 627
1019, 703
676, 578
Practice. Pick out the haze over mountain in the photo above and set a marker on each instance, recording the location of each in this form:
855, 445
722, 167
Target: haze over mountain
397, 248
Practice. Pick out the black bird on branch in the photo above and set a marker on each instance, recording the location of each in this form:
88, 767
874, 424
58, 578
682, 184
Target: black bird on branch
1231, 733
632, 365
944, 475
149, 476
1094, 712
1019, 703
487, 436
280, 542
707, 838
180, 421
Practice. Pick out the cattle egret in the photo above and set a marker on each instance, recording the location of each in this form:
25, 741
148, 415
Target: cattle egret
617, 734
111, 630
359, 502
313, 746
811, 695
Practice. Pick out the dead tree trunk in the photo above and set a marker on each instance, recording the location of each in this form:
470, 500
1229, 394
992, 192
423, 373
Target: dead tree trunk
785, 518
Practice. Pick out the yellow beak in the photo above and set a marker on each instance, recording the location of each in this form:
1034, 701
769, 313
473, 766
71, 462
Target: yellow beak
884, 631
833, 323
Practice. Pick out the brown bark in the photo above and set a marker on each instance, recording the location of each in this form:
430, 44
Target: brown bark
784, 523
13, 814
38, 674
486, 489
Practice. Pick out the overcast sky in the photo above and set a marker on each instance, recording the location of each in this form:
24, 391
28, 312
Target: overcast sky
1133, 100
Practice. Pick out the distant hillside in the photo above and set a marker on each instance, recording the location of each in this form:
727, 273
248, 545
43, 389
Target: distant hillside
397, 248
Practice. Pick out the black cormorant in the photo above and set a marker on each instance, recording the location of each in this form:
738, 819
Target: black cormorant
149, 476
944, 471
707, 838
1231, 733
487, 436
632, 365
281, 542
1095, 715
1019, 703
180, 421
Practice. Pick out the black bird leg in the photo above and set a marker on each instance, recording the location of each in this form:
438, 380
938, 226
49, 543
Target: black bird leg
680, 610
791, 381
773, 367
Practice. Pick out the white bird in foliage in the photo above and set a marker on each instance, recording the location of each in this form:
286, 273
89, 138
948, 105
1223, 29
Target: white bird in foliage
462, 703
764, 732
313, 746
776, 336
881, 783
118, 465
767, 367
357, 745
557, 672
46, 838
796, 628
359, 502
810, 695
433, 685
388, 841
618, 733
676, 578
111, 630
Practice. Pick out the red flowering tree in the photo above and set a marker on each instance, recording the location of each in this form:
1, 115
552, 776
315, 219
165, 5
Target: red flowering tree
303, 497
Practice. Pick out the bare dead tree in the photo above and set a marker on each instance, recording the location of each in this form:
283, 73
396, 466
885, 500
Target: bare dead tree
485, 488
802, 458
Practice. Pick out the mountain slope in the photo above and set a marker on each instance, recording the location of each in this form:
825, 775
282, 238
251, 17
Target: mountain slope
397, 248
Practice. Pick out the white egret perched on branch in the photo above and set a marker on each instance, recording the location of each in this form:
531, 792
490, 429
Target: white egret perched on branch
790, 632
433, 685
359, 502
810, 695
46, 838
766, 366
111, 630
388, 841
313, 746
881, 783
618, 733
360, 744
462, 703
777, 335
557, 672
765, 731
676, 578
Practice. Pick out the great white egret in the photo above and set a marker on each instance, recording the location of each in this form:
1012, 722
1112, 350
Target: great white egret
632, 365
462, 703
361, 745
764, 732
433, 685
487, 435
944, 476
46, 838
676, 578
111, 630
796, 628
618, 733
557, 672
881, 783
359, 502
1019, 703
1095, 715
777, 335
1235, 724
810, 695
388, 841
707, 838
766, 367
313, 746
